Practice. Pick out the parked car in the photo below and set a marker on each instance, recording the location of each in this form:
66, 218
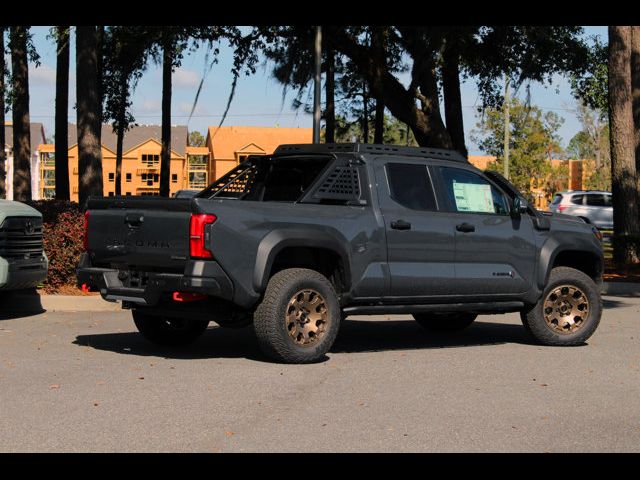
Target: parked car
593, 206
186, 193
295, 241
23, 263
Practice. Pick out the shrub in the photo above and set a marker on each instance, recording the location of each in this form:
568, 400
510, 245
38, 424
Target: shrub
63, 237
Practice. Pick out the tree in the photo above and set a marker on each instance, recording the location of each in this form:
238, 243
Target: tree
88, 113
19, 45
61, 35
533, 140
591, 86
626, 219
3, 141
128, 48
591, 144
196, 139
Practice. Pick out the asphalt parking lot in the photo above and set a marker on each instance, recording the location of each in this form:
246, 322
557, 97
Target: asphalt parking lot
86, 382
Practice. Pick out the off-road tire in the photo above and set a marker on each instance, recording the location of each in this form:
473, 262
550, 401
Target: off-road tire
168, 331
270, 318
444, 322
533, 318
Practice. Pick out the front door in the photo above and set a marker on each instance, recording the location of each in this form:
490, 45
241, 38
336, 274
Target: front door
495, 253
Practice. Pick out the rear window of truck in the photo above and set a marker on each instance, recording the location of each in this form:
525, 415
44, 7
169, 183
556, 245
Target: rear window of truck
264, 178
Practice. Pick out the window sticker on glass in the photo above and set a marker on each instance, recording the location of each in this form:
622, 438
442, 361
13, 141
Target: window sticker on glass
471, 197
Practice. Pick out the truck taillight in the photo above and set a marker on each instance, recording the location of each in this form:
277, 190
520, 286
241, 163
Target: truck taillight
197, 240
86, 231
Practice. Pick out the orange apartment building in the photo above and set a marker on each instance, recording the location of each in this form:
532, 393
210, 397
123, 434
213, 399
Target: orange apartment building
191, 167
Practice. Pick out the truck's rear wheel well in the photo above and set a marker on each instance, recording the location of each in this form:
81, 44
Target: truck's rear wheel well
322, 260
584, 261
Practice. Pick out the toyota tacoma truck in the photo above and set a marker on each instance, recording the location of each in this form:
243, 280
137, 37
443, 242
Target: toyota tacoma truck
296, 241
23, 263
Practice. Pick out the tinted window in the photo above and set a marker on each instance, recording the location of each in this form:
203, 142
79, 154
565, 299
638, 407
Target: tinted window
470, 192
577, 199
410, 186
607, 201
597, 200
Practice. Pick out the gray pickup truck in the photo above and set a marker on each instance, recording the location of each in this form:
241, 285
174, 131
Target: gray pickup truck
296, 241
23, 263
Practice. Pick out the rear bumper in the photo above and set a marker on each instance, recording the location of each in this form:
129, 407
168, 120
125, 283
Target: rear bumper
200, 276
19, 274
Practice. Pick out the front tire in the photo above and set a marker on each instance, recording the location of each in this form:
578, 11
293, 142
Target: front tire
444, 322
568, 312
163, 330
299, 317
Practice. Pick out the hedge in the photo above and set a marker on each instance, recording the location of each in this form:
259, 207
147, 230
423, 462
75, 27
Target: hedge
63, 241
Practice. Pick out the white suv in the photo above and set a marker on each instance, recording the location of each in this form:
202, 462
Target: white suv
593, 206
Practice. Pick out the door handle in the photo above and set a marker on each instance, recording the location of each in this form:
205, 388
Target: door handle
400, 225
465, 227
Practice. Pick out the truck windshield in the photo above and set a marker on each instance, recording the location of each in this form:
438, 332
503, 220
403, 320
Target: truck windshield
266, 178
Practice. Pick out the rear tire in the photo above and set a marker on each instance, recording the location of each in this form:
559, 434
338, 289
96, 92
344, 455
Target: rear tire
568, 312
445, 322
163, 330
299, 317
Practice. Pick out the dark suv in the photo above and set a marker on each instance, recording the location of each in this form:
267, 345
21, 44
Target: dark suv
295, 241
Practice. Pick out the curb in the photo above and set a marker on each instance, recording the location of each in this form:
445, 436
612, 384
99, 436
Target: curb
622, 289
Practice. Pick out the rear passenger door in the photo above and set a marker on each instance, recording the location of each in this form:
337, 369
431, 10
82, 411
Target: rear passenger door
495, 253
420, 238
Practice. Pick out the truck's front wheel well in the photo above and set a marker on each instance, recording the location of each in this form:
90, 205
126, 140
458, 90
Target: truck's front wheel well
322, 260
584, 261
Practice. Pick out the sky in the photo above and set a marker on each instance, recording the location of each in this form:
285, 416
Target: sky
258, 98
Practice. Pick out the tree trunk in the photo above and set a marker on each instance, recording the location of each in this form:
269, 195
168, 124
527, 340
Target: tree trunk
623, 166
425, 121
378, 132
88, 114
452, 97
365, 113
330, 111
21, 122
378, 44
165, 155
62, 120
3, 140
635, 93
120, 132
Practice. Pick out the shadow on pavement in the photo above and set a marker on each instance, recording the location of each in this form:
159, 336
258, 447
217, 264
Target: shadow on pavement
610, 303
355, 336
20, 304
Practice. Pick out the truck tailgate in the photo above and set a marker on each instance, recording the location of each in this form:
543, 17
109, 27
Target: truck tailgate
144, 233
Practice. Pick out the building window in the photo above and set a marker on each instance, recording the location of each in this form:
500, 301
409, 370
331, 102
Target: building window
174, 177
150, 160
112, 177
128, 177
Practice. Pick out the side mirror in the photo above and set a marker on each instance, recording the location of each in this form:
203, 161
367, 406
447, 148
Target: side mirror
518, 206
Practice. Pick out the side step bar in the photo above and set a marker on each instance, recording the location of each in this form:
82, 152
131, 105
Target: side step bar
490, 307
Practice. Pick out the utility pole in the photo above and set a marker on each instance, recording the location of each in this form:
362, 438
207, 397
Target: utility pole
316, 90
506, 128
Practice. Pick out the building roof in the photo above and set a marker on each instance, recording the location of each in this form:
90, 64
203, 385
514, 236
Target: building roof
481, 161
37, 135
226, 141
136, 136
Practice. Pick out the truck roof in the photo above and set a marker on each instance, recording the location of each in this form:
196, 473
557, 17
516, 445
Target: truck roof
315, 148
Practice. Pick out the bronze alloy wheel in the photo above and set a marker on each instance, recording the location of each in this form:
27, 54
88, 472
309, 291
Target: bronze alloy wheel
307, 317
565, 309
